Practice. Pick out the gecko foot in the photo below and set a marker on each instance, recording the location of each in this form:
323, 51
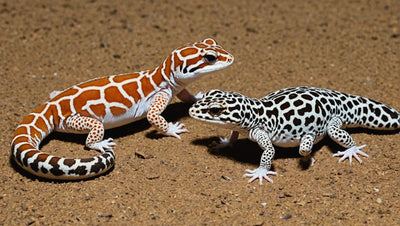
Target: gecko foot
103, 145
198, 96
174, 129
350, 153
223, 143
259, 173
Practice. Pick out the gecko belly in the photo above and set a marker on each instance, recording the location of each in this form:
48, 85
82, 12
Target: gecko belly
286, 141
136, 112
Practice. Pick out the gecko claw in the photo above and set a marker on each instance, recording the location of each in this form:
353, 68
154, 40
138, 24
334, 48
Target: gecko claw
198, 96
350, 153
223, 143
175, 129
103, 145
259, 173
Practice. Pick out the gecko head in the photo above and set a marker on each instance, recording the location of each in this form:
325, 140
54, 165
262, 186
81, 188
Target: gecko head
194, 59
219, 107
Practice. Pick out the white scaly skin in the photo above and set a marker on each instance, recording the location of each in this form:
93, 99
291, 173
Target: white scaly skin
297, 116
108, 102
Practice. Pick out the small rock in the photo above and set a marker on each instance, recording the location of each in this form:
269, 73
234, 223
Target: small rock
226, 178
287, 216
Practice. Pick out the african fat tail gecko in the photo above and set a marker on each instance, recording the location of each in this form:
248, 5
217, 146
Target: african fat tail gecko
108, 102
297, 116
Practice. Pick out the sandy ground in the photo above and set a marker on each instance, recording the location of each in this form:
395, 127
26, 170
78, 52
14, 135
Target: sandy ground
350, 46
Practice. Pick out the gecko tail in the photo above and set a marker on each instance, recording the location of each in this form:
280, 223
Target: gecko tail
25, 152
376, 115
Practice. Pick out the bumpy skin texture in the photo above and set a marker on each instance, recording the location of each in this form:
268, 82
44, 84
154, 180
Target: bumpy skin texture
108, 102
297, 116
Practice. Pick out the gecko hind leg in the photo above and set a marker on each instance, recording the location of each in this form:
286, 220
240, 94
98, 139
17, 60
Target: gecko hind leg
94, 139
345, 140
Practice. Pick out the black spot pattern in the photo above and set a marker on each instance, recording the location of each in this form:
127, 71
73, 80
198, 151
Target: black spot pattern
292, 113
80, 170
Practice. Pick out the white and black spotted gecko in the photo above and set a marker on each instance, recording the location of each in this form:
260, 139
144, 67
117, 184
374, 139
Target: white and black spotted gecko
292, 117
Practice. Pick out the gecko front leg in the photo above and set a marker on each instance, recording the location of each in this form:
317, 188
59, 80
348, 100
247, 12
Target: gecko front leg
154, 117
187, 97
226, 142
261, 137
305, 147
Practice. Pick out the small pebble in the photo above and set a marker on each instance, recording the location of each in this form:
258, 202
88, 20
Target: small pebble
288, 216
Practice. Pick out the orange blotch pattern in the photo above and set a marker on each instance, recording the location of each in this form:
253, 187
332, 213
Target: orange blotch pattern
23, 130
117, 111
42, 157
28, 119
177, 61
68, 92
25, 146
21, 140
131, 89
39, 109
189, 51
200, 45
210, 42
121, 78
96, 82
112, 94
193, 61
65, 107
98, 109
29, 154
54, 161
82, 99
157, 77
167, 69
223, 52
147, 87
41, 124
222, 58
51, 111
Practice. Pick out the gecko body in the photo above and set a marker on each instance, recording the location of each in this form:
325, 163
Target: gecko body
108, 102
297, 116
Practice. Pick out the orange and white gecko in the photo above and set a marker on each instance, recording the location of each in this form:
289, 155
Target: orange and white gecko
108, 102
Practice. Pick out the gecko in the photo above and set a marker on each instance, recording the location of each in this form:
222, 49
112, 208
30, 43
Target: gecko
108, 102
291, 117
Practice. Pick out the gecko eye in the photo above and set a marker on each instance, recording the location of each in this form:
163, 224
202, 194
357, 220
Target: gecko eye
210, 58
216, 110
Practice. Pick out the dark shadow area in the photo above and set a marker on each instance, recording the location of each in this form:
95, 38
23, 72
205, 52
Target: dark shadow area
372, 131
247, 151
173, 112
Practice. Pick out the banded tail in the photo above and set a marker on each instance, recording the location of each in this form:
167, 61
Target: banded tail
25, 151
